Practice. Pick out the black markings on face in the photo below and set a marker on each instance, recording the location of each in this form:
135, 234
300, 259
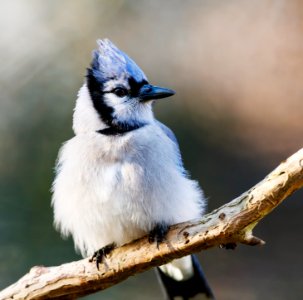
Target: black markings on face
105, 111
135, 86
95, 89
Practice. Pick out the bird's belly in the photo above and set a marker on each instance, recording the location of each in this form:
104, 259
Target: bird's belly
115, 206
128, 205
100, 201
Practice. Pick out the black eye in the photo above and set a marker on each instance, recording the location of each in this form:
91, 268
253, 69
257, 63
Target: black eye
120, 92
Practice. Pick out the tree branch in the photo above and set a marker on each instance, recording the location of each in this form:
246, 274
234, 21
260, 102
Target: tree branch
226, 226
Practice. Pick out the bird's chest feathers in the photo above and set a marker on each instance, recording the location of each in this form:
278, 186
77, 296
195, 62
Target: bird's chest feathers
114, 170
117, 182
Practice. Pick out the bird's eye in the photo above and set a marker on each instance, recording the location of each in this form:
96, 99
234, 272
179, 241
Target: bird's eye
120, 92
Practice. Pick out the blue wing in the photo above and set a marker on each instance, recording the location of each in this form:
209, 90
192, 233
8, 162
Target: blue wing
169, 133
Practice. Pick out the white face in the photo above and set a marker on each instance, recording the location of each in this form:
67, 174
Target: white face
119, 95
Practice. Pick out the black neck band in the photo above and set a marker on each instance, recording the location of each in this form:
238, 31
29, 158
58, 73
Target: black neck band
121, 128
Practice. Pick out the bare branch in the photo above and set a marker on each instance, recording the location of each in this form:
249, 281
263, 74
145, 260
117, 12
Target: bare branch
226, 226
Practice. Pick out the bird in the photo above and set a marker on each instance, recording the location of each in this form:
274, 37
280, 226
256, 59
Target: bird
121, 175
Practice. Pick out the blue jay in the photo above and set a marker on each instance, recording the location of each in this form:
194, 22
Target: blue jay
121, 176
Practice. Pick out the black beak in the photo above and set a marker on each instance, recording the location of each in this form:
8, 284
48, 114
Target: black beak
152, 92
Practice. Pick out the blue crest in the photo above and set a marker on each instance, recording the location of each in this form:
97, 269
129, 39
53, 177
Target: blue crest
109, 62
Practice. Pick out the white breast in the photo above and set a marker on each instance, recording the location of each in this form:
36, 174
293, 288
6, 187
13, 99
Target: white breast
115, 189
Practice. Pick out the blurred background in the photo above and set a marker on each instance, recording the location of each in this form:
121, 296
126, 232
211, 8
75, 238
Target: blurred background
237, 67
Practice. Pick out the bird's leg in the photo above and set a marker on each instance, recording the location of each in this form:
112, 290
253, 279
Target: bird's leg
101, 253
158, 234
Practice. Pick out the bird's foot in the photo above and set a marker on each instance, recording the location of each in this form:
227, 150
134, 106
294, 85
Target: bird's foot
229, 246
101, 253
158, 234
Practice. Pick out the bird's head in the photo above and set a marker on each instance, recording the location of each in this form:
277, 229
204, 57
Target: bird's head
119, 90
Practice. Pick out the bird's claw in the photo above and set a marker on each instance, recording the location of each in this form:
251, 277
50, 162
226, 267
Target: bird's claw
101, 253
158, 234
